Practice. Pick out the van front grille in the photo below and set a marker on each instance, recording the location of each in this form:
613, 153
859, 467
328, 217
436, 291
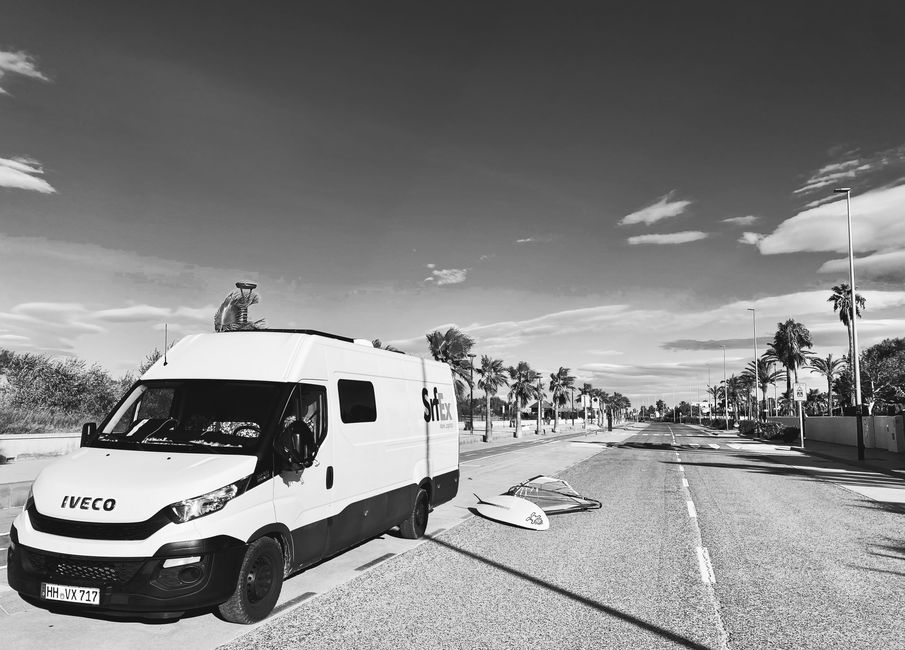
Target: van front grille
68, 569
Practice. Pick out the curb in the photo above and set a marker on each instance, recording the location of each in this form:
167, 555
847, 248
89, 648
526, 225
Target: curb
13, 495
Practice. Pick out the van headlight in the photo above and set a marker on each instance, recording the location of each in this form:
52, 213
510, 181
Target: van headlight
189, 509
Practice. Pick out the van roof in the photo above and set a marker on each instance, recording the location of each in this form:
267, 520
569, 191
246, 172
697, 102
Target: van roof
268, 355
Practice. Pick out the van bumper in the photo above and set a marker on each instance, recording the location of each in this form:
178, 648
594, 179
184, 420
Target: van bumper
132, 586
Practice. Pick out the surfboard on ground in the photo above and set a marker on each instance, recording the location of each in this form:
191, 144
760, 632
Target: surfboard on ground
513, 510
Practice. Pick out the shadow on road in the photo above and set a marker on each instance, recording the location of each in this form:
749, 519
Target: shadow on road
650, 627
804, 466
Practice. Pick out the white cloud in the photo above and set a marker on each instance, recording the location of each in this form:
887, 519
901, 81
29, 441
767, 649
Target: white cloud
751, 238
663, 208
742, 221
888, 267
52, 327
878, 224
19, 63
536, 239
446, 276
23, 174
669, 238
142, 313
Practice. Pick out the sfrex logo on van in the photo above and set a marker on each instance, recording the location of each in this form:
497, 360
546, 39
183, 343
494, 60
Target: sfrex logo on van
88, 503
435, 409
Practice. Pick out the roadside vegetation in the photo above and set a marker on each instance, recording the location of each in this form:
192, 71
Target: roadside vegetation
882, 374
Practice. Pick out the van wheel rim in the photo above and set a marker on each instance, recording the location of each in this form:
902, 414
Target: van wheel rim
259, 581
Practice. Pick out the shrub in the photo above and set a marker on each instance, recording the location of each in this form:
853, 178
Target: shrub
791, 434
51, 395
769, 430
747, 428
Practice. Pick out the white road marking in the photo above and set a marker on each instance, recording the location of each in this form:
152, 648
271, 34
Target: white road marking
691, 510
706, 567
684, 482
681, 469
713, 446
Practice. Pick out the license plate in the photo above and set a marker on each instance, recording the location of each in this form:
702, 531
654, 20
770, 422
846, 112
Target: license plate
67, 594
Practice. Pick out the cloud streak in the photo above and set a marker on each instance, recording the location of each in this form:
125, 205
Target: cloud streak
442, 277
742, 221
668, 238
23, 174
21, 64
663, 208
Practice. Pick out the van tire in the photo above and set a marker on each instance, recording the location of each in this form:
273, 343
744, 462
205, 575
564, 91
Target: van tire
258, 585
414, 525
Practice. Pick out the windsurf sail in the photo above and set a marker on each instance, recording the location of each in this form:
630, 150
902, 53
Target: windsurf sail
553, 495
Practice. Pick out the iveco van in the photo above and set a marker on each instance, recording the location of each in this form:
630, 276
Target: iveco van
239, 459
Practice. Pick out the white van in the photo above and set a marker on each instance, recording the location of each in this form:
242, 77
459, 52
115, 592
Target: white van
239, 460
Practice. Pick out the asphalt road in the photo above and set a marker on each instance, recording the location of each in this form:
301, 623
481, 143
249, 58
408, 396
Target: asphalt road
703, 541
704, 546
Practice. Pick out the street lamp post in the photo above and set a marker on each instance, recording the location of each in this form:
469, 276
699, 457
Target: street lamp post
855, 361
725, 390
573, 407
471, 393
753, 311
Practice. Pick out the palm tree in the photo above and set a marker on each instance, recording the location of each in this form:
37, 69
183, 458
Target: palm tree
522, 388
842, 302
766, 375
452, 347
561, 382
714, 392
790, 347
492, 375
829, 368
377, 343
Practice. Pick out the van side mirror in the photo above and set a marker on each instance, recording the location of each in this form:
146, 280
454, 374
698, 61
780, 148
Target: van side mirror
296, 445
89, 433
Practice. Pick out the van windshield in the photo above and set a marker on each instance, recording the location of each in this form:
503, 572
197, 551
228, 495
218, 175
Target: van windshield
194, 415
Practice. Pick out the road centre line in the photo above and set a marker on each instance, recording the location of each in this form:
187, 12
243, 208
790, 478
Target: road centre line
705, 566
691, 509
681, 469
685, 482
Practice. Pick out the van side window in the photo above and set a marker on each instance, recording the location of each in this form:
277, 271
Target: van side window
309, 406
356, 401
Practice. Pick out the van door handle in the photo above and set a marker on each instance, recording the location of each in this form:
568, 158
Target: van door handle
329, 476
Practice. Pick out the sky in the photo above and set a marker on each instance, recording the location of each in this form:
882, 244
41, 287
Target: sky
607, 187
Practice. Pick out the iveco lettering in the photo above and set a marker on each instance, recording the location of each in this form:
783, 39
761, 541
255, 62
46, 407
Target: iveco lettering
238, 460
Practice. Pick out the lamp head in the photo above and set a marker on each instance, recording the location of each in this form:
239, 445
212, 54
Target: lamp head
842, 190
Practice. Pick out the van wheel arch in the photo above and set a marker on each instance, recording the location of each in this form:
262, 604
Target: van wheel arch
280, 534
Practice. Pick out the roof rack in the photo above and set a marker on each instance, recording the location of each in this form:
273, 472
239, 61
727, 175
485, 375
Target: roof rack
311, 332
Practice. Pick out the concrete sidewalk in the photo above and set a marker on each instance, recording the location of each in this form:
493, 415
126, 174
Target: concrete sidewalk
880, 460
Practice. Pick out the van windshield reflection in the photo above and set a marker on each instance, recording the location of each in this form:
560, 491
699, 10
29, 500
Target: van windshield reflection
213, 416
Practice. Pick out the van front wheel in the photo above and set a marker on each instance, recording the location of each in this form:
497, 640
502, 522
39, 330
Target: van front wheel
259, 584
413, 526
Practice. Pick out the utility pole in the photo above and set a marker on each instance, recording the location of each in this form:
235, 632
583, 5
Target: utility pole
471, 393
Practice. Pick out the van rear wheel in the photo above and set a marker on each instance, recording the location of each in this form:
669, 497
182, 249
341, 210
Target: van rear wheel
413, 526
259, 584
